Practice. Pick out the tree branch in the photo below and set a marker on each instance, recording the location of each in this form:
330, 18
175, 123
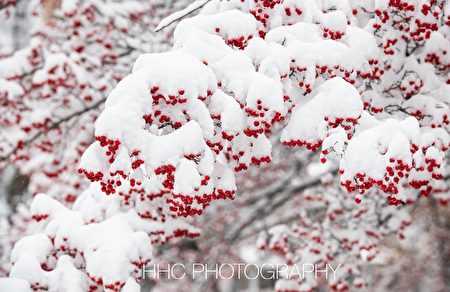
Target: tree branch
192, 8
53, 126
278, 202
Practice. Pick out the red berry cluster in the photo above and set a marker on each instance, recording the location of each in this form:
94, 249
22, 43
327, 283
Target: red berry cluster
261, 10
231, 155
108, 186
330, 34
396, 170
411, 85
36, 286
372, 108
258, 161
382, 15
347, 123
393, 201
141, 263
401, 5
297, 11
116, 286
312, 146
92, 176
167, 171
184, 233
280, 245
181, 204
435, 58
215, 146
406, 20
227, 136
388, 46
136, 160
97, 281
423, 30
112, 146
169, 99
39, 217
258, 122
240, 42
163, 105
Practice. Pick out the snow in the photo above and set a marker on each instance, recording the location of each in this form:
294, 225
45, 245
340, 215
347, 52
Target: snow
10, 88
231, 115
336, 20
303, 31
232, 24
187, 178
375, 150
18, 65
108, 248
172, 71
362, 41
335, 98
14, 284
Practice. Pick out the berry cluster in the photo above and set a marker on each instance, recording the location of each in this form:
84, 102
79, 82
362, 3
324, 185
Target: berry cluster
437, 59
183, 204
167, 171
411, 85
259, 121
328, 33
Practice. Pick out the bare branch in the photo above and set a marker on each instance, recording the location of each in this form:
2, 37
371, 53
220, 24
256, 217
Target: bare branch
280, 200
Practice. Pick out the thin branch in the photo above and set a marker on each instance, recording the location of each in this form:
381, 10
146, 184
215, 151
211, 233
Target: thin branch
192, 8
53, 126
278, 202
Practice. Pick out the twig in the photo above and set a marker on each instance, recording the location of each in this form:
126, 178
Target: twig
180, 14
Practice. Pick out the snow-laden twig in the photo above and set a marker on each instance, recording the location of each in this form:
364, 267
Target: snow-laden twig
174, 17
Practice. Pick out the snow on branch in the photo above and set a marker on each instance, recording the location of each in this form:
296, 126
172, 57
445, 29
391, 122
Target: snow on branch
174, 17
